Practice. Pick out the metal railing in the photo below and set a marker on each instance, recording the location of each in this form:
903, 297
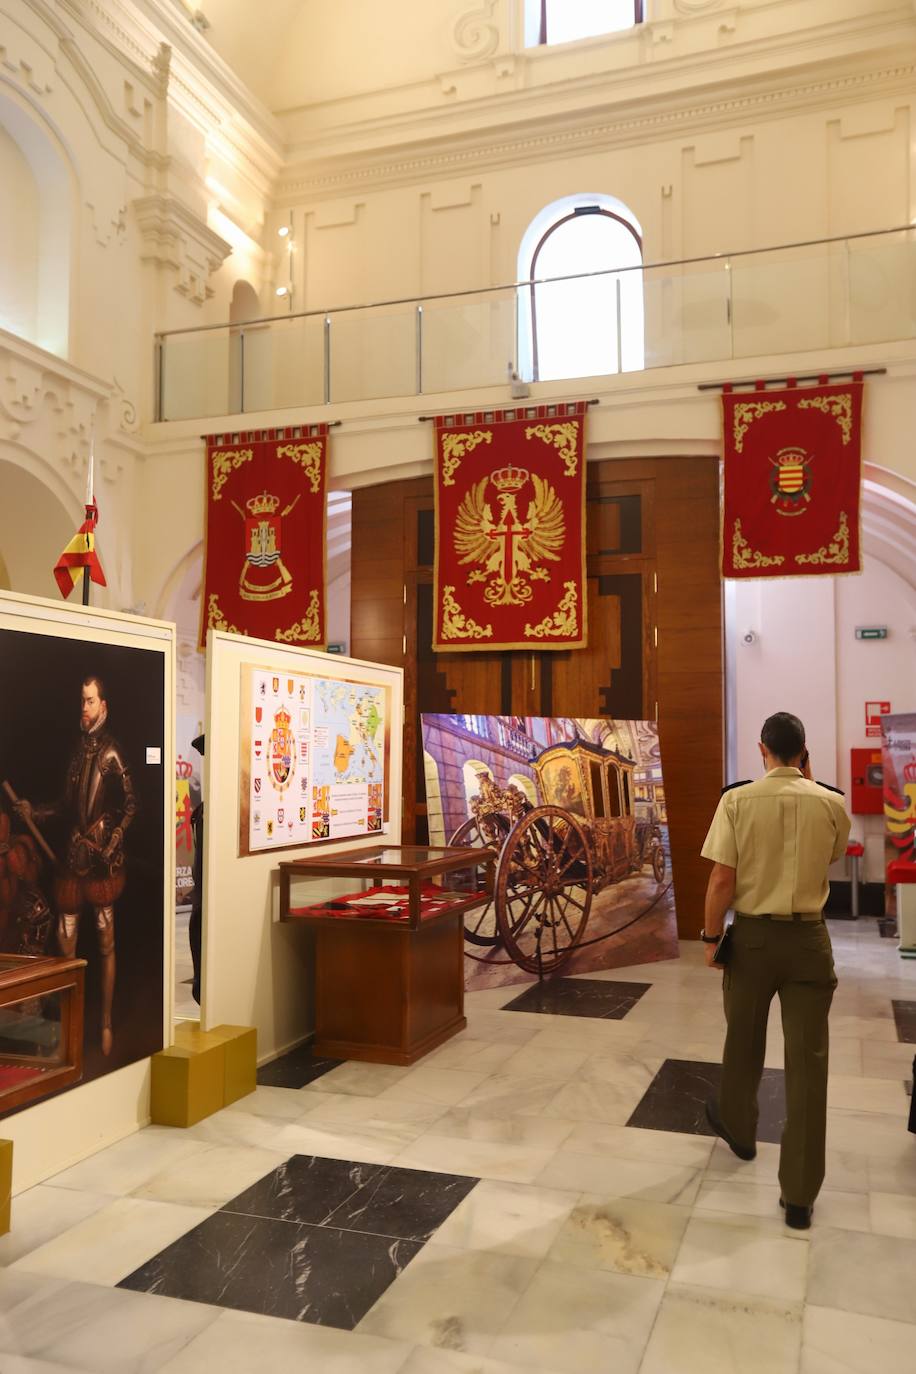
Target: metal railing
807, 296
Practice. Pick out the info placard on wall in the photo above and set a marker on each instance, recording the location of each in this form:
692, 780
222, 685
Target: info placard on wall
314, 754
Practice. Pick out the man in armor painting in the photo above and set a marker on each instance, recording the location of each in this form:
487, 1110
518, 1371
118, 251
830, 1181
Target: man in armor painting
97, 806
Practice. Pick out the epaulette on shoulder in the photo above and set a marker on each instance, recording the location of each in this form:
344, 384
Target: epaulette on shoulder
829, 788
730, 786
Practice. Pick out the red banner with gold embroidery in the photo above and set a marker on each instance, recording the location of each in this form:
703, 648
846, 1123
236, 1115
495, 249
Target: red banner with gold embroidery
265, 550
792, 479
510, 529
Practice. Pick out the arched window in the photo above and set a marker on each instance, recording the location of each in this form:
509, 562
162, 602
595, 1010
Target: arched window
589, 325
563, 21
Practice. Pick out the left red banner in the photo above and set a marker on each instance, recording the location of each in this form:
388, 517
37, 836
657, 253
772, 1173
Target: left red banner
265, 550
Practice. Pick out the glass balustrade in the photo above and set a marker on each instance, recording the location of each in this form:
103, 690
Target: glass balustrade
793, 299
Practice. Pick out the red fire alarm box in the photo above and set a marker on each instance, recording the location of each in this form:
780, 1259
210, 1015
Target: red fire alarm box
867, 782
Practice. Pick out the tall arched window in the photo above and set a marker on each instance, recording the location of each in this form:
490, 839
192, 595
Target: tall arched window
588, 325
563, 21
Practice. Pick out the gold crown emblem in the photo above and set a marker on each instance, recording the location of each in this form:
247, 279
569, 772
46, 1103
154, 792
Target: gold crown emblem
909, 772
282, 717
509, 478
791, 457
265, 504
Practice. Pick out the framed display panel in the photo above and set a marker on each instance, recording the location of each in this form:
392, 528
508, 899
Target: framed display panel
87, 827
41, 1027
315, 756
256, 970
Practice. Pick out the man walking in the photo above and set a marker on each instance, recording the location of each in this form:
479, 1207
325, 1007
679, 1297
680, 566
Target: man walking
771, 843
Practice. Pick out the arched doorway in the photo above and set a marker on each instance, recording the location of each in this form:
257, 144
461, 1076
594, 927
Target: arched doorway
29, 548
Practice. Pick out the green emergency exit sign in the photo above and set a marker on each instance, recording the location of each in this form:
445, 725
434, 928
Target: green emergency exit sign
871, 632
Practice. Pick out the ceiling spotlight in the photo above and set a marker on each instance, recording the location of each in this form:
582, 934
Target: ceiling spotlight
284, 291
283, 231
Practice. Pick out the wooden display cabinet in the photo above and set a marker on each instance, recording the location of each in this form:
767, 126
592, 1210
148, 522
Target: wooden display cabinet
389, 977
41, 1027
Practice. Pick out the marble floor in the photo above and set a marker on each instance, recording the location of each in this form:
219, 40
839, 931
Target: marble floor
491, 1208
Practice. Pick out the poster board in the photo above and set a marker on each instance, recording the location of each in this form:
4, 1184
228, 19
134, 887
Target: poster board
49, 649
315, 756
257, 970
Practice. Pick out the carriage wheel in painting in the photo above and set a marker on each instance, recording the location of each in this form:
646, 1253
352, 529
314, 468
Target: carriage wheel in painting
658, 863
480, 923
544, 889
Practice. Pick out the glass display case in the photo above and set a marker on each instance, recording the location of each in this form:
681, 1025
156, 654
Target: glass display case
41, 1027
389, 944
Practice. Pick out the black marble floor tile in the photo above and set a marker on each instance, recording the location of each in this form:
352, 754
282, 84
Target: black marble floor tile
676, 1100
295, 1069
318, 1274
596, 997
887, 928
307, 1189
905, 1016
403, 1202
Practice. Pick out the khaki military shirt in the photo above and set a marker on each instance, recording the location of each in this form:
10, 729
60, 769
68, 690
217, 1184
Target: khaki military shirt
780, 834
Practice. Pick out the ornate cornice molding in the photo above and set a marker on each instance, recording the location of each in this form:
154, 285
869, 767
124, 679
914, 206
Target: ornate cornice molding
552, 136
175, 239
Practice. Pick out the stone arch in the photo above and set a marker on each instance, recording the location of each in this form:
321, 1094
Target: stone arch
30, 548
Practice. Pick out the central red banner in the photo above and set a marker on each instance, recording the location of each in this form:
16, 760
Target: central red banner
265, 563
792, 478
510, 529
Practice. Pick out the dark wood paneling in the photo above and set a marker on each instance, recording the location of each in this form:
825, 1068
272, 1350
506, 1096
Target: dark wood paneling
647, 519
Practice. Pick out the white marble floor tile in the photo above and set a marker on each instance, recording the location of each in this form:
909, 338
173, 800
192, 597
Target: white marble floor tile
863, 1028
122, 1167
431, 1084
94, 1329
466, 1052
897, 1175
879, 1135
253, 1131
365, 1080
837, 1342
633, 1142
342, 1109
699, 1331
577, 1321
653, 1180
627, 1235
867, 1094
470, 1123
512, 1163
846, 1058
43, 1213
426, 1360
846, 1210
754, 1258
24, 1364
243, 1342
530, 1061
580, 1100
211, 1177
893, 1214
500, 1095
279, 1103
456, 1299
114, 1241
883, 1060
507, 1219
847, 1172
872, 1274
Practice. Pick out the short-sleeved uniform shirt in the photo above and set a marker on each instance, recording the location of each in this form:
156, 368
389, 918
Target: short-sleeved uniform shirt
780, 834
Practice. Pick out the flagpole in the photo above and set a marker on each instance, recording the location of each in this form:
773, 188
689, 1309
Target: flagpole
89, 501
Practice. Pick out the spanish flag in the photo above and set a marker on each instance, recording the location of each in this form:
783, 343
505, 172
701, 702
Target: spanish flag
79, 554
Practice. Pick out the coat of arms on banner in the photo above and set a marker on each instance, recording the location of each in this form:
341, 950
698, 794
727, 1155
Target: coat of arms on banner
792, 477
510, 554
265, 572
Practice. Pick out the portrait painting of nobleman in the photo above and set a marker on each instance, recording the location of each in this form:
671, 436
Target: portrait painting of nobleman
82, 827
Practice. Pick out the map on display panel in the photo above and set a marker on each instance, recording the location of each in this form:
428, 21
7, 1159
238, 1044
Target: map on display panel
314, 759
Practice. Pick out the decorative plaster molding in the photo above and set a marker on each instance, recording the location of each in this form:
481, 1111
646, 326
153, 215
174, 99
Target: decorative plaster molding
474, 37
696, 6
34, 69
547, 136
174, 238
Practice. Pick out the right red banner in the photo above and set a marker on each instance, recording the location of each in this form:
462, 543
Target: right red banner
792, 479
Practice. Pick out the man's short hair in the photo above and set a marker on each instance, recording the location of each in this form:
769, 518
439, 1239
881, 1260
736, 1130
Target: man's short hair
99, 685
784, 736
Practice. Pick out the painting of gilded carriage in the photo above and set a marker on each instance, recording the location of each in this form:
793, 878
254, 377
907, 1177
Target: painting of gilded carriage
576, 812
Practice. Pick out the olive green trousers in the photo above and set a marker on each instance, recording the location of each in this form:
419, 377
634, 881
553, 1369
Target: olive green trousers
793, 958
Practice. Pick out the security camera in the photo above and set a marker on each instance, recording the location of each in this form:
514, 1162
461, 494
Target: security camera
749, 637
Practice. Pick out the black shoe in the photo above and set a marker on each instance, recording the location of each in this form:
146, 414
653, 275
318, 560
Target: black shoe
742, 1151
798, 1217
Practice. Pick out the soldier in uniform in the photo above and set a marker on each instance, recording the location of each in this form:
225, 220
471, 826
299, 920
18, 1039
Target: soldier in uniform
98, 804
771, 843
